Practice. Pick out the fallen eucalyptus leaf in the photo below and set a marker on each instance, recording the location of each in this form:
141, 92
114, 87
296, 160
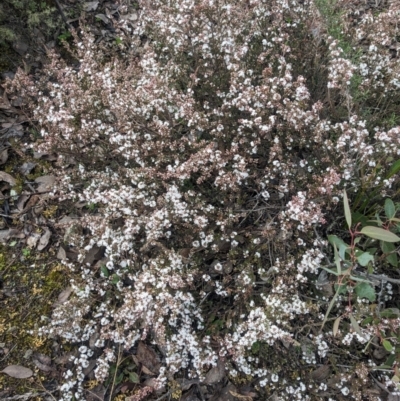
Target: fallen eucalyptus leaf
216, 374
4, 156
18, 372
45, 182
64, 295
61, 254
44, 240
91, 5
7, 178
33, 240
148, 358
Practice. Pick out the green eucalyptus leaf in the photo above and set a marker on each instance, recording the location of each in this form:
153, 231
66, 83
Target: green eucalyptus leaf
341, 245
387, 345
360, 218
393, 259
347, 211
390, 313
380, 234
365, 258
365, 290
390, 209
394, 169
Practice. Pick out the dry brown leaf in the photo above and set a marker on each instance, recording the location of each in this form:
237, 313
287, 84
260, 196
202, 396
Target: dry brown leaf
94, 254
5, 235
64, 295
42, 362
321, 373
240, 396
31, 203
216, 374
33, 240
45, 182
44, 240
7, 178
61, 254
4, 156
27, 167
225, 394
148, 358
147, 371
91, 5
22, 199
42, 358
18, 372
186, 383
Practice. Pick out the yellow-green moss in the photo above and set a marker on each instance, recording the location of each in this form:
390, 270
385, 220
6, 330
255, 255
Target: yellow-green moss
30, 288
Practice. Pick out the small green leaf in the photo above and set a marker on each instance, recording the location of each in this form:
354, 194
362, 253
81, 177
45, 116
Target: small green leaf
392, 259
391, 360
104, 271
366, 321
394, 169
133, 377
359, 218
342, 246
365, 258
390, 253
114, 279
387, 345
390, 209
390, 313
379, 233
365, 290
347, 212
340, 288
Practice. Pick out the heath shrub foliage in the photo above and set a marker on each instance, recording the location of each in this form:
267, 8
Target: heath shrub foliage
216, 139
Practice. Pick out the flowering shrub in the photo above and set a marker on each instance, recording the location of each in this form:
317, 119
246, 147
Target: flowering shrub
207, 140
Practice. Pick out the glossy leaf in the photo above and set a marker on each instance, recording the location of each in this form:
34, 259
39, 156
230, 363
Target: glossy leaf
380, 234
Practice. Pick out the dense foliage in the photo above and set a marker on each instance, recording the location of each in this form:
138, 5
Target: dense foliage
215, 142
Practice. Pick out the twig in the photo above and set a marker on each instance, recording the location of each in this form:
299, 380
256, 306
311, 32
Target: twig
63, 15
380, 277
